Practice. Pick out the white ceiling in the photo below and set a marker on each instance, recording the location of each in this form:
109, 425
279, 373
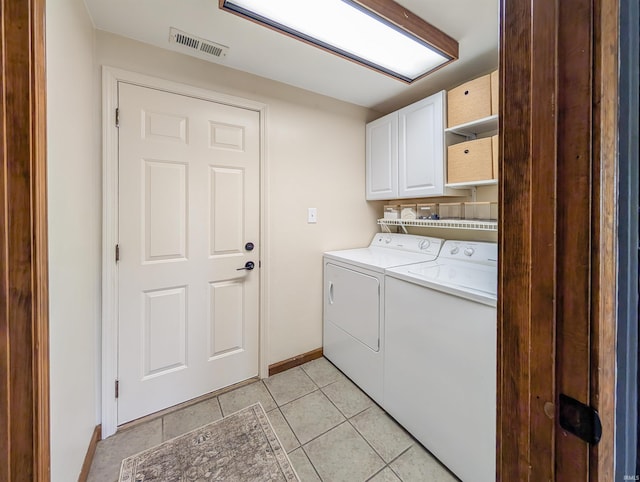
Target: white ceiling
261, 51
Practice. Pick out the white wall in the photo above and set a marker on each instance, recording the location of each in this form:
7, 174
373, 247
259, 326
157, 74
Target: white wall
315, 151
74, 186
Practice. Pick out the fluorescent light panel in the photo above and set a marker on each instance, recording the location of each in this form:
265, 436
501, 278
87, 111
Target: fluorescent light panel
348, 29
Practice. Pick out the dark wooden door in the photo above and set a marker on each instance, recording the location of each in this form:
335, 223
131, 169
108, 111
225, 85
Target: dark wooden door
574, 223
557, 233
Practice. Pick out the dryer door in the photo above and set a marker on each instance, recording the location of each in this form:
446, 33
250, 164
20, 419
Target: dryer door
352, 303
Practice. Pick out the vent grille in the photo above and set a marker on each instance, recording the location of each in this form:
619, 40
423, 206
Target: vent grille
197, 44
210, 49
187, 41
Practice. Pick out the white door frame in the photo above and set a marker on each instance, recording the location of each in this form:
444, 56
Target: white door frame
110, 78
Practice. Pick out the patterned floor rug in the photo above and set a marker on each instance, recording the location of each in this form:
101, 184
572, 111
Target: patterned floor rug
240, 447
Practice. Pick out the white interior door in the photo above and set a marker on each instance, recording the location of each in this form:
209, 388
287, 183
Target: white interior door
188, 206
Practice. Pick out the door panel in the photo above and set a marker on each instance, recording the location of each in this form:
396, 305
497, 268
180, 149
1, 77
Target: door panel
164, 337
227, 211
188, 203
225, 136
164, 127
165, 210
227, 317
574, 265
421, 148
353, 304
382, 157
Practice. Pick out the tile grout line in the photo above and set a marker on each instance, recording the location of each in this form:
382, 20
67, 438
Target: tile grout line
396, 458
309, 459
367, 441
297, 398
346, 419
355, 414
378, 473
290, 428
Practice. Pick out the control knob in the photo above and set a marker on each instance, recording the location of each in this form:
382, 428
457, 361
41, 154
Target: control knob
454, 250
469, 251
424, 244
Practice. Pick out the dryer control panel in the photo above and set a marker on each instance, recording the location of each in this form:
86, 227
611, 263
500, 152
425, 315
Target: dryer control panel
408, 242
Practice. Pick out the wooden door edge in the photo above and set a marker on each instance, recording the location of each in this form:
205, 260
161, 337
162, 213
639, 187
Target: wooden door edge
25, 449
40, 229
604, 222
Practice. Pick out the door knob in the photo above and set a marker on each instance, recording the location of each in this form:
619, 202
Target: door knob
249, 265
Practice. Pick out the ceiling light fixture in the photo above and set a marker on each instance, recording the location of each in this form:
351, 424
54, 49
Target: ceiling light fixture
379, 34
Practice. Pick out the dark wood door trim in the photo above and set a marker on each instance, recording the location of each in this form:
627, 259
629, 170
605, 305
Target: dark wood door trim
24, 337
526, 308
558, 164
604, 224
574, 234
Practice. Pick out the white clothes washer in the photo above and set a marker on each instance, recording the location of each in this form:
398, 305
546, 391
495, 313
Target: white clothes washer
440, 358
354, 285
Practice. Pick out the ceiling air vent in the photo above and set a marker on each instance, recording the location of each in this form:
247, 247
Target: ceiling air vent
197, 45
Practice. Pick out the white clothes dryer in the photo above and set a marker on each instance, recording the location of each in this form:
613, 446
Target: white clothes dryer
354, 285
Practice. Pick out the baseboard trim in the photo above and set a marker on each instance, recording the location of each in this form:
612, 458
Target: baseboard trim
298, 360
91, 451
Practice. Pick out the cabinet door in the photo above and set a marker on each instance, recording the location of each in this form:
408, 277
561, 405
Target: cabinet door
382, 158
421, 148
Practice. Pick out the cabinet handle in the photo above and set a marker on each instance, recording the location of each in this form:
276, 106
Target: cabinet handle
331, 293
466, 151
466, 92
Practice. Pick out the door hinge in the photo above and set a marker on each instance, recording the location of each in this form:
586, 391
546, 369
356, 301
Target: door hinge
117, 253
579, 419
117, 117
117, 388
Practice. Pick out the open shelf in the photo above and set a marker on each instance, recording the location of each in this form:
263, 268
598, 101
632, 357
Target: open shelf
442, 223
471, 129
488, 182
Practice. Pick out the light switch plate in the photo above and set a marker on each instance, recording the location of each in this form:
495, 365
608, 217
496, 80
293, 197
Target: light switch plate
312, 216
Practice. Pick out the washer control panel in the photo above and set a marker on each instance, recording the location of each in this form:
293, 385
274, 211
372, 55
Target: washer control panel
408, 242
474, 251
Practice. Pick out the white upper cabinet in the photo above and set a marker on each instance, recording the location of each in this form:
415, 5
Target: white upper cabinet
421, 148
382, 157
405, 152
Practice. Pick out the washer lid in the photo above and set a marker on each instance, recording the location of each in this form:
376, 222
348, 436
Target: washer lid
473, 281
463, 275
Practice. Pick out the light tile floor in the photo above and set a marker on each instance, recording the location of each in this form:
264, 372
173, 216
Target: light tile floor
331, 430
